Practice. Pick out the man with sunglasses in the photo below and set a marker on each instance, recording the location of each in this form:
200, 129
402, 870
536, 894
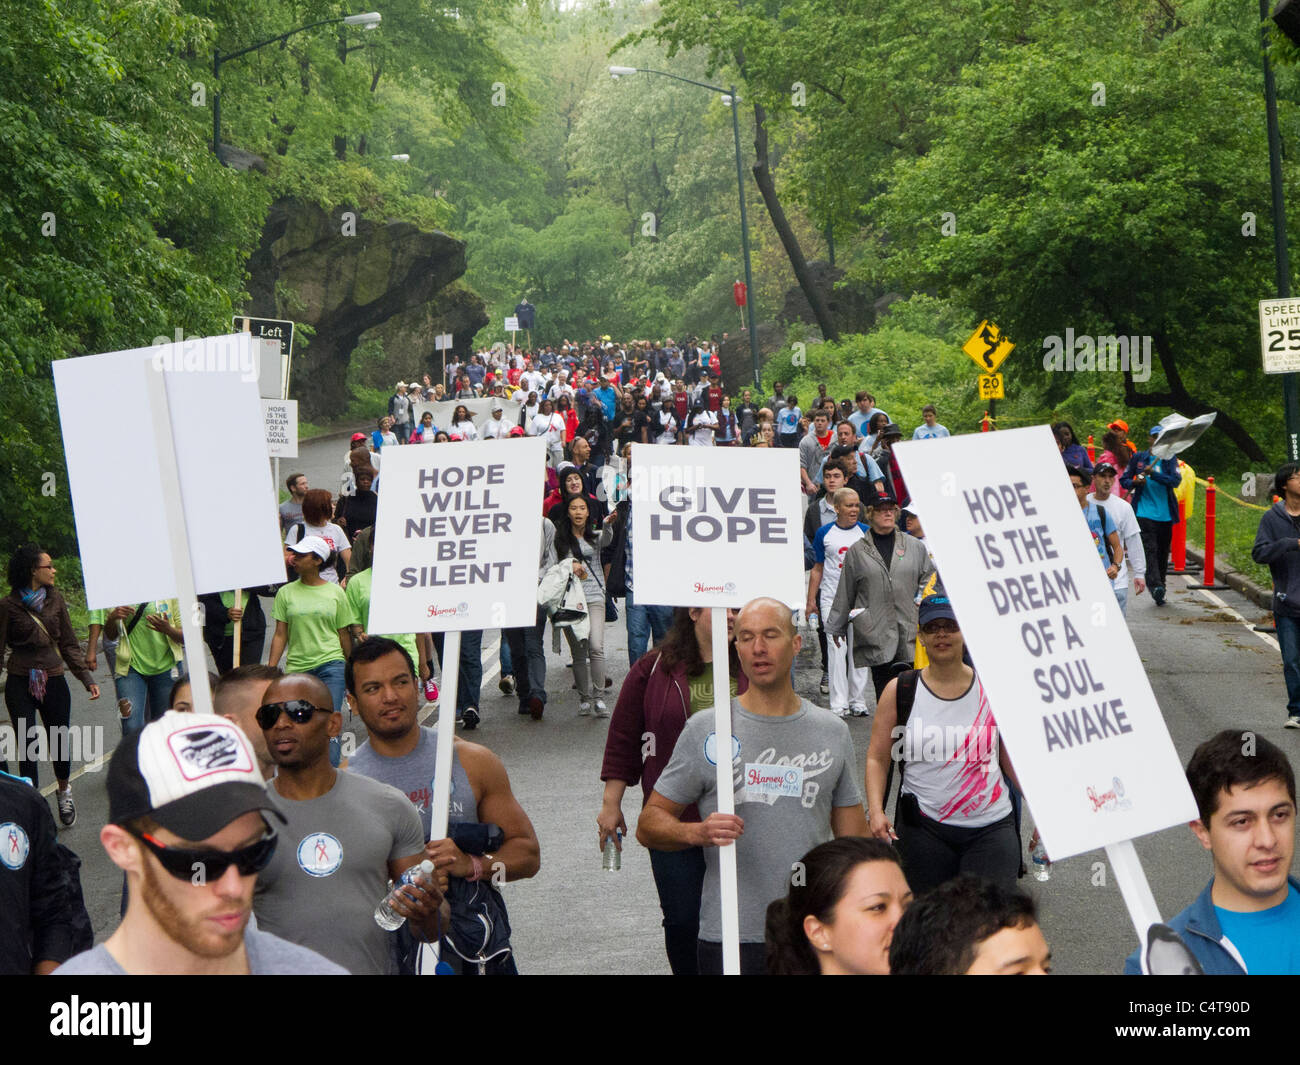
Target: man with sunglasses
345, 837
186, 824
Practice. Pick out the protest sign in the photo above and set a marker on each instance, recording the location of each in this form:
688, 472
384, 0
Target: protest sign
716, 526
1052, 649
121, 510
280, 422
456, 537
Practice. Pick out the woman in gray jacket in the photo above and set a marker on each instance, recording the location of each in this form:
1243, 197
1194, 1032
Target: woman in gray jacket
573, 541
883, 575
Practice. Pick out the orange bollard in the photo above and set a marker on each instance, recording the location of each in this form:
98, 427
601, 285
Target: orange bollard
1207, 574
986, 423
1092, 451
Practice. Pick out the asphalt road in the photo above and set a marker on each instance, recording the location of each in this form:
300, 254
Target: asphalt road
1208, 669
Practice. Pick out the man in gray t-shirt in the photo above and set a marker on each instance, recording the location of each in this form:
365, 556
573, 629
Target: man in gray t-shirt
345, 837
793, 771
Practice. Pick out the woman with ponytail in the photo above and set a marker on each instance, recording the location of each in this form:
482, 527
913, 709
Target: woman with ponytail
845, 898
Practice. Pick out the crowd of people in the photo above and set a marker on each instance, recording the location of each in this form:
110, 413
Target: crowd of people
290, 825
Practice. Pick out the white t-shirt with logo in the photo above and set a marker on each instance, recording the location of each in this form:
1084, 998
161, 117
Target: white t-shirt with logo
702, 437
829, 548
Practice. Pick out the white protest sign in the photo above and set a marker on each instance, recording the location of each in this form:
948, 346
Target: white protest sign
512, 325
272, 368
716, 526
456, 536
1045, 632
443, 342
280, 420
113, 469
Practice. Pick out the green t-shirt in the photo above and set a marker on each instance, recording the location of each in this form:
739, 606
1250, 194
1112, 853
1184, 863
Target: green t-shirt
151, 652
314, 616
358, 594
228, 601
702, 690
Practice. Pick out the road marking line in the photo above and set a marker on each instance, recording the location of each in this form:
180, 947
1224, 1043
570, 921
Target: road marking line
1250, 626
490, 653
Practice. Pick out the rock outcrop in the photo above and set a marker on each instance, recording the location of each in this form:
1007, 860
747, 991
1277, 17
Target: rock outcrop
358, 280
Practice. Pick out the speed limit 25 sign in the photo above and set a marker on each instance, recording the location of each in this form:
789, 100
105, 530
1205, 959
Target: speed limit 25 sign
1279, 335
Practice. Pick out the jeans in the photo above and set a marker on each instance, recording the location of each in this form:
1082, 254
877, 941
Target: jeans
528, 656
331, 674
642, 622
1121, 596
470, 674
504, 656
402, 431
679, 878
55, 710
134, 691
753, 958
935, 853
1156, 538
1288, 638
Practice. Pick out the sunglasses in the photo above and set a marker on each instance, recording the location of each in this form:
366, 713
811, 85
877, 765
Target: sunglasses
930, 628
299, 711
183, 862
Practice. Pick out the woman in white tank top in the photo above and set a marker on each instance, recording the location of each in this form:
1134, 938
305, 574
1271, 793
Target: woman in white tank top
954, 811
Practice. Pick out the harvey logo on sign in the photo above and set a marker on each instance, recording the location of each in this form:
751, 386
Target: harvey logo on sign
14, 845
734, 513
458, 537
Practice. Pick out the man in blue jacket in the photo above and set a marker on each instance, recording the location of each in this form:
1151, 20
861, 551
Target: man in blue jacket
1247, 920
1152, 482
1277, 545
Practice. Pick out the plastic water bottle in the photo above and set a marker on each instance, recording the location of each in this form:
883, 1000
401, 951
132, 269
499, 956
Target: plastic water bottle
612, 861
813, 620
1042, 864
385, 916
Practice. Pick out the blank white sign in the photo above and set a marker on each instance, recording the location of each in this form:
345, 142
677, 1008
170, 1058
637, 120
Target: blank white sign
227, 498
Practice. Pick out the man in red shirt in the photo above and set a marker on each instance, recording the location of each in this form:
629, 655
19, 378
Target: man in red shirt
713, 394
681, 405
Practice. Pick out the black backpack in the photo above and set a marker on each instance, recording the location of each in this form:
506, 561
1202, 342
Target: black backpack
83, 936
340, 567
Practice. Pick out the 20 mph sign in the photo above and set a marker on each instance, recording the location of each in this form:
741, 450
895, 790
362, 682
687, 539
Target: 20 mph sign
1279, 335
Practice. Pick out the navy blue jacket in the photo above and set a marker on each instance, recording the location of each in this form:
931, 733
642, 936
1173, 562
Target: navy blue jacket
1198, 925
1162, 472
1277, 545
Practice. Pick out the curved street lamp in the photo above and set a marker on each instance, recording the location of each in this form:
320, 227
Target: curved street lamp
729, 98
367, 21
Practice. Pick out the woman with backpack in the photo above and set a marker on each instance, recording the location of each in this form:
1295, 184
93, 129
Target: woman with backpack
317, 512
573, 540
954, 813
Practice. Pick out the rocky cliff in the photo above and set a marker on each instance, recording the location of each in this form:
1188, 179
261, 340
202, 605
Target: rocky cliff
369, 280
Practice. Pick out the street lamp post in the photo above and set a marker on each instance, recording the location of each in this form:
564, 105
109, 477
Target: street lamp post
730, 98
1290, 396
368, 21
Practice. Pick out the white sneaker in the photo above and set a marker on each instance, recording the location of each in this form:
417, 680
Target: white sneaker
859, 711
601, 709
842, 711
584, 708
67, 808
